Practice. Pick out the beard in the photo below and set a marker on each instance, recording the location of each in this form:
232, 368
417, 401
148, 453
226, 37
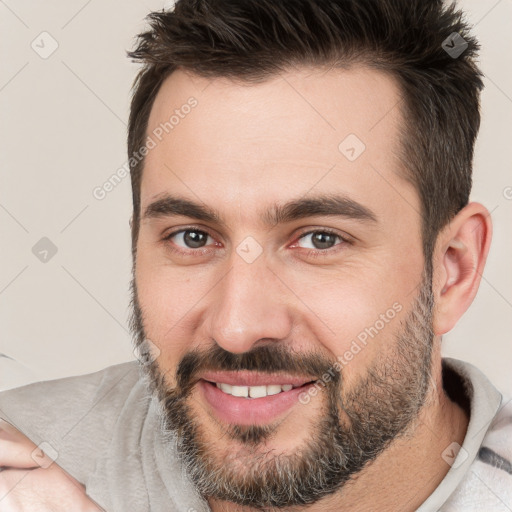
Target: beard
352, 428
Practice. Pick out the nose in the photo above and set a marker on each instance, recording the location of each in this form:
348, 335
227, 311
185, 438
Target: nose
249, 305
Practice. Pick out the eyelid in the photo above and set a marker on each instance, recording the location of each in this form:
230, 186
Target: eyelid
344, 237
174, 232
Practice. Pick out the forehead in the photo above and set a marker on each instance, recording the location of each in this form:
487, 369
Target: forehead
228, 143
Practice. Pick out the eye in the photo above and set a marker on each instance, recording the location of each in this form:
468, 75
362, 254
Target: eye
189, 238
320, 240
193, 241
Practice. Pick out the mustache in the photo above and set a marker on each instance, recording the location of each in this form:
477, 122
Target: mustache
271, 358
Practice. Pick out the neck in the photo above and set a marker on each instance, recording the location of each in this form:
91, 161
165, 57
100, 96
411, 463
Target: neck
402, 477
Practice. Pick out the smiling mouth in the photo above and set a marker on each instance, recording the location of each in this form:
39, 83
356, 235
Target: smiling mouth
255, 391
250, 399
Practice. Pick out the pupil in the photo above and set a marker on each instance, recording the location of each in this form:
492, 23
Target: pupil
194, 239
323, 240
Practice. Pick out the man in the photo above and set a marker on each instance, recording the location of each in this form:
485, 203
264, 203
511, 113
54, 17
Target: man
302, 239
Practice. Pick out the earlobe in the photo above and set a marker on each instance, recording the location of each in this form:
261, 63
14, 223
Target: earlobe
459, 261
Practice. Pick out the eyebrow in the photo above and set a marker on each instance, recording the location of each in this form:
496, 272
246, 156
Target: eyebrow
322, 205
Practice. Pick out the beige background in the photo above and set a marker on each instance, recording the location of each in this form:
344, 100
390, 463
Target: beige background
63, 134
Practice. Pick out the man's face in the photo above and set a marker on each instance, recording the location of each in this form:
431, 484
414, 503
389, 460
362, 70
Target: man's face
261, 295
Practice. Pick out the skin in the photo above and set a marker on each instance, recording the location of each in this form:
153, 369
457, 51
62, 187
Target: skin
240, 151
42, 486
246, 148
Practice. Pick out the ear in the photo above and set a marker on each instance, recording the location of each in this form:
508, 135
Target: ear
131, 222
459, 260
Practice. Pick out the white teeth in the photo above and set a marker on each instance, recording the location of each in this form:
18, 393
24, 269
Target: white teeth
273, 389
240, 391
226, 388
253, 391
257, 391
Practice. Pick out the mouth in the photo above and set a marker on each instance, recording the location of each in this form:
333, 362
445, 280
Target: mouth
253, 391
247, 398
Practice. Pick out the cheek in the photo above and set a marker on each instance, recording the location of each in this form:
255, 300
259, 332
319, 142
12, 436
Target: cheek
167, 301
355, 314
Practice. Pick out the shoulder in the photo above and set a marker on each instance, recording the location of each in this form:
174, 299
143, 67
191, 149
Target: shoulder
488, 482
74, 416
490, 416
496, 449
66, 396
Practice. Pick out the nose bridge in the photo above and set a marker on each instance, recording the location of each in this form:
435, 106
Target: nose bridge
249, 305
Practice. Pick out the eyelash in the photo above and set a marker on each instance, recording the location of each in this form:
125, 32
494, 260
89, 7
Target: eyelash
311, 253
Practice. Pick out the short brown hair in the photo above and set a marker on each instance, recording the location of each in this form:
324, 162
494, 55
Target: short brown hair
252, 40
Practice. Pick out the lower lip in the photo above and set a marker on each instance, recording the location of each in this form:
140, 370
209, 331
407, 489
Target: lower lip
249, 411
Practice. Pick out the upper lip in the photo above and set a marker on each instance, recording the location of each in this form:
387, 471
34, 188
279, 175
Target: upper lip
252, 378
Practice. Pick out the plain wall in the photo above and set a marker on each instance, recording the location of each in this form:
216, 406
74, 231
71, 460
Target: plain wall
63, 133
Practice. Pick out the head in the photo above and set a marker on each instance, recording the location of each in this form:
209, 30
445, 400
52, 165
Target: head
257, 129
